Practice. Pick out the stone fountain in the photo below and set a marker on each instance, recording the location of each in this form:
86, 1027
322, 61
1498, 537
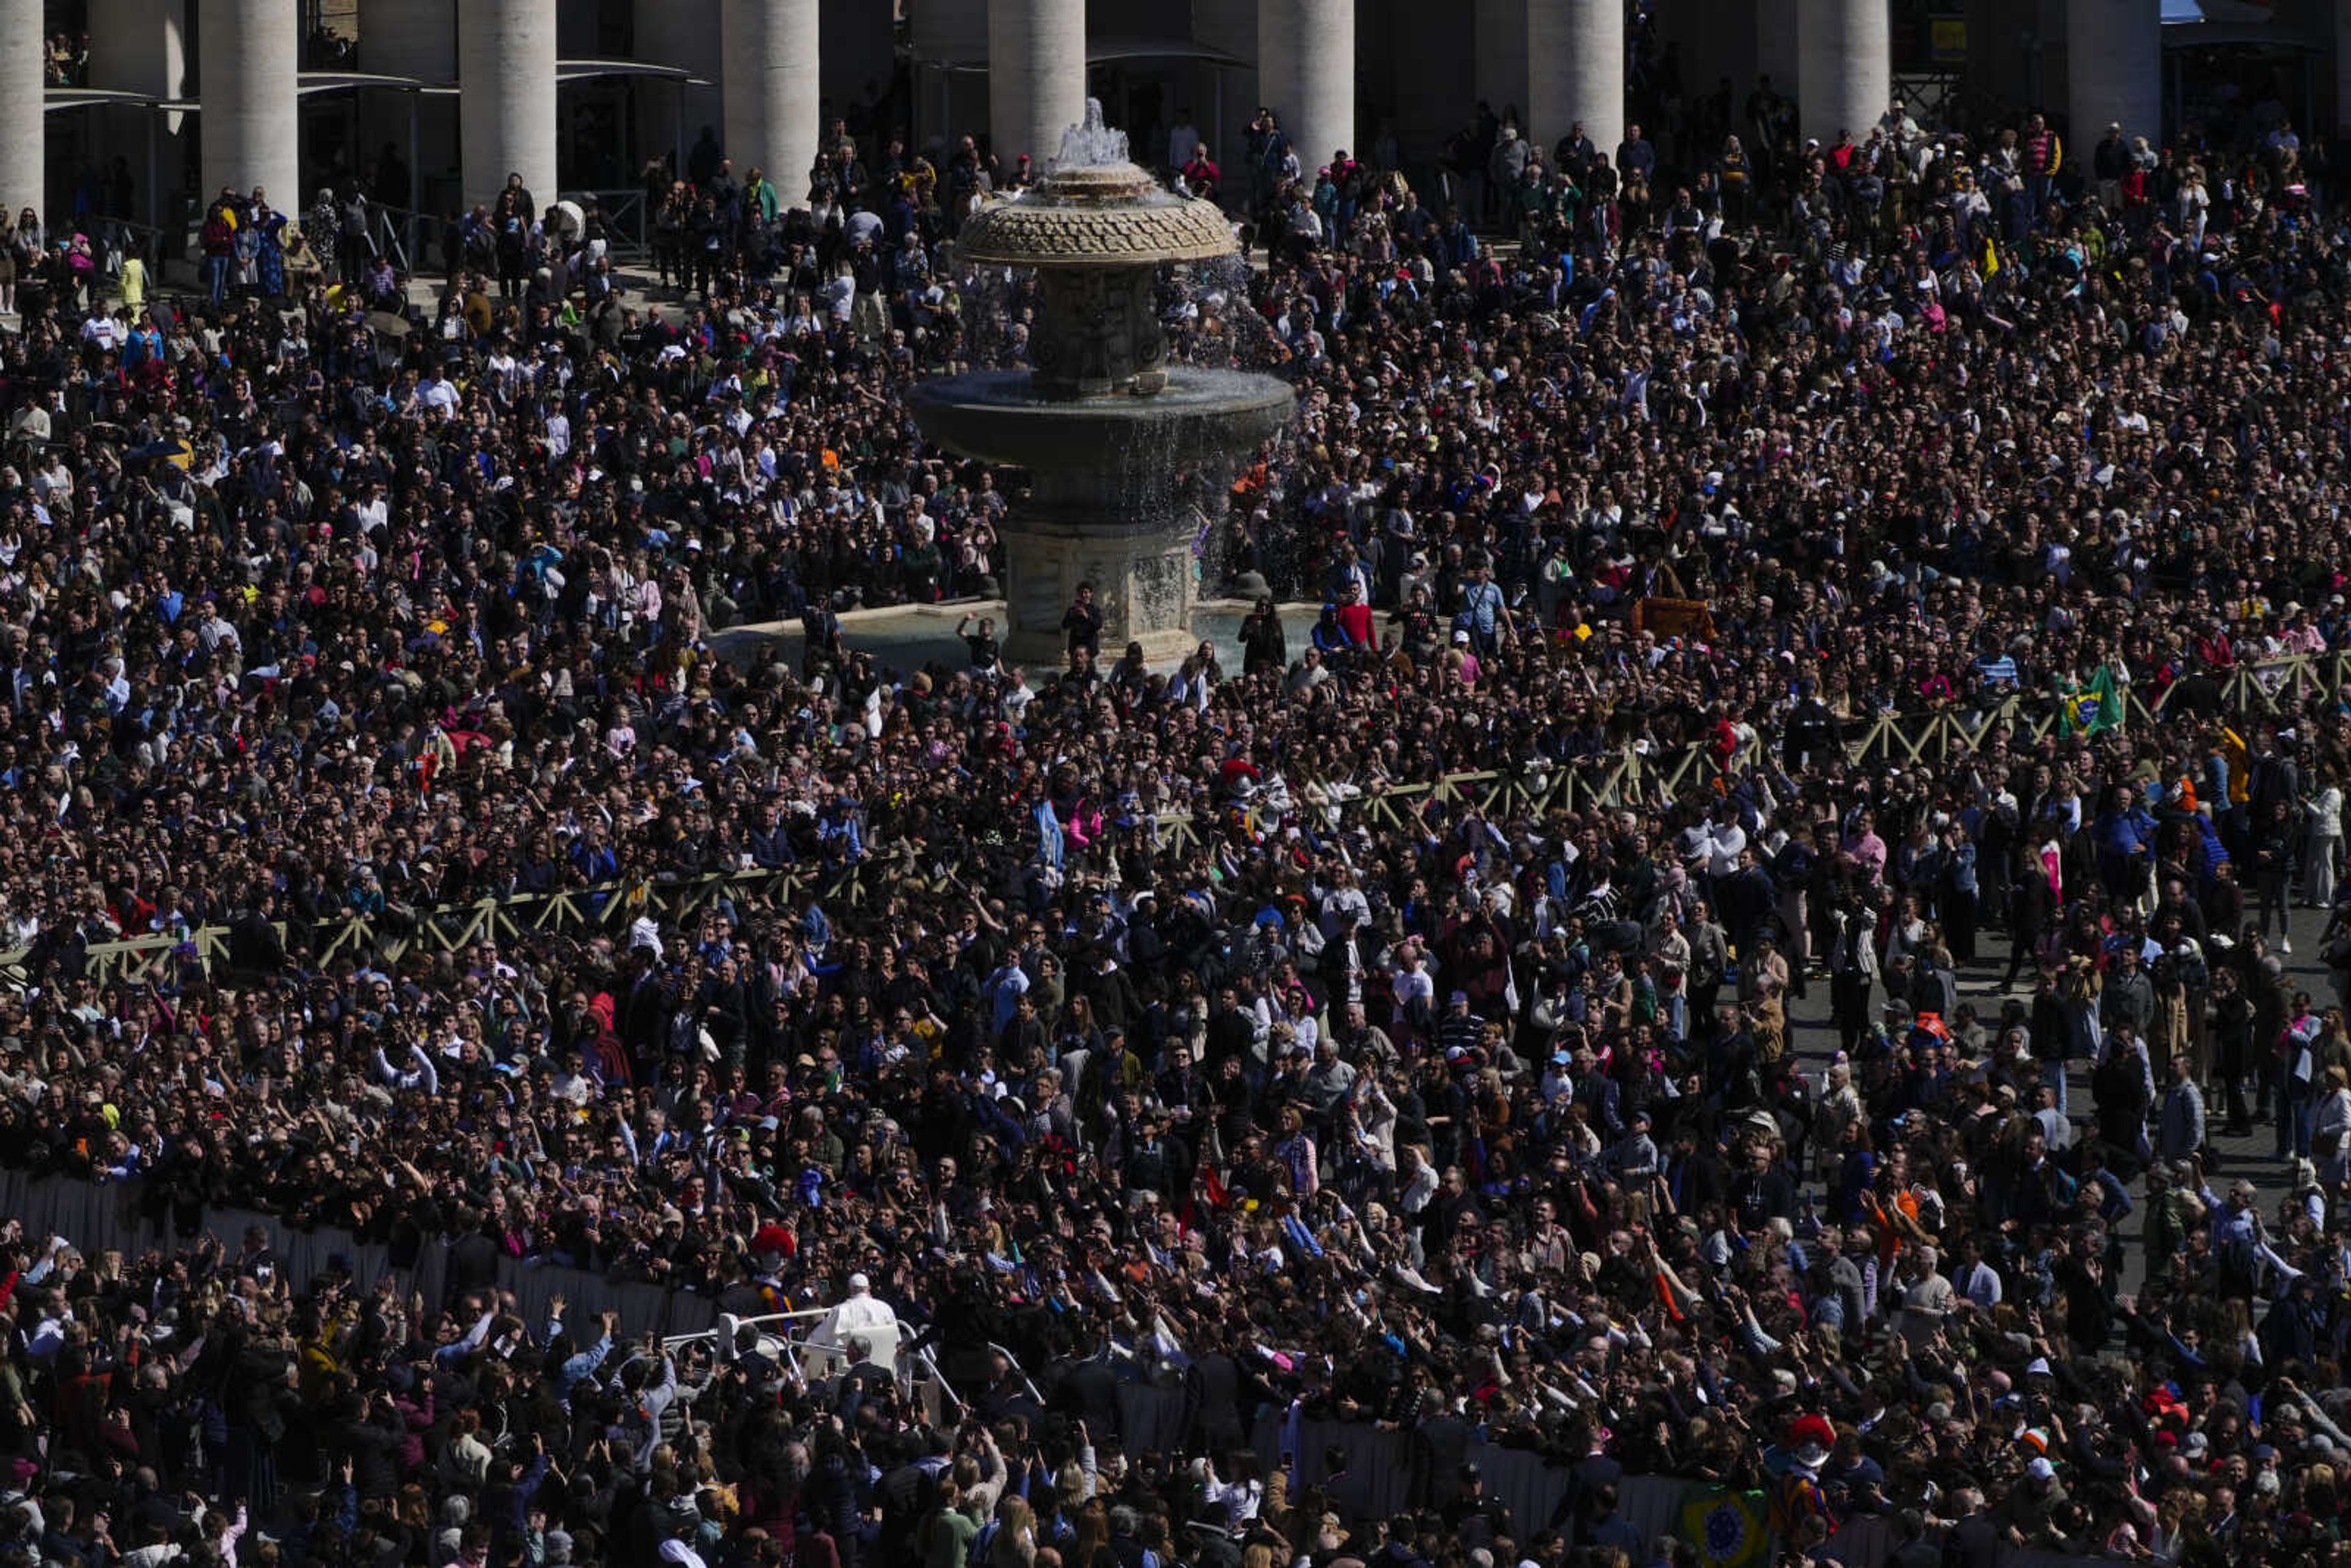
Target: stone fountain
1107, 429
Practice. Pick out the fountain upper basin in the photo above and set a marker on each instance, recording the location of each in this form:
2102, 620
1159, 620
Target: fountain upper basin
1201, 416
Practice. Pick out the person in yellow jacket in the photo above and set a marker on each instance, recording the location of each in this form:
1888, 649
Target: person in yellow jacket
2237, 759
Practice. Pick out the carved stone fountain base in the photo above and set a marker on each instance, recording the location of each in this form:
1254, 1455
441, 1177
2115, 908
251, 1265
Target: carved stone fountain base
1143, 577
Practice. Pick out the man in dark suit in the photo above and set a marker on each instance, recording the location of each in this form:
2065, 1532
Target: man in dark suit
1087, 1388
1439, 1445
1694, 1176
862, 1382
1213, 1389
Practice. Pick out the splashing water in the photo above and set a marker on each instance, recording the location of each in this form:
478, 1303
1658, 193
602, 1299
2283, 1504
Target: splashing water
1090, 144
1212, 317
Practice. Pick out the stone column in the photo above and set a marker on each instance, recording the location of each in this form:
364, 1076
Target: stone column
948, 32
2113, 71
2343, 64
771, 91
1222, 98
410, 38
1036, 76
1306, 75
1499, 42
505, 120
1575, 71
671, 114
1844, 55
23, 173
138, 46
253, 121
1775, 51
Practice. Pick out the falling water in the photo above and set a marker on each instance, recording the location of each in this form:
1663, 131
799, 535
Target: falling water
1213, 320
1090, 144
999, 304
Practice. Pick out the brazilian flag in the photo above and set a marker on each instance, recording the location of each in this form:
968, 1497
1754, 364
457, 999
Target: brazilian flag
2098, 707
1725, 1526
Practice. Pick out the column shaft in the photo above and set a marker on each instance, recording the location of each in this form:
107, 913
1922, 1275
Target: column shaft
686, 34
1501, 45
771, 91
1306, 75
410, 38
505, 120
2342, 64
137, 45
1036, 76
23, 139
1844, 51
253, 122
1575, 71
2113, 71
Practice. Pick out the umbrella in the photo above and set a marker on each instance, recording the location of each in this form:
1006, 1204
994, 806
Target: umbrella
569, 221
388, 321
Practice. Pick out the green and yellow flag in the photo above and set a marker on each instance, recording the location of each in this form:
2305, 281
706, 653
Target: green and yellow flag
1726, 1527
2098, 707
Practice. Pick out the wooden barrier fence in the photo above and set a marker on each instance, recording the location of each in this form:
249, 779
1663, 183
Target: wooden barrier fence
1935, 736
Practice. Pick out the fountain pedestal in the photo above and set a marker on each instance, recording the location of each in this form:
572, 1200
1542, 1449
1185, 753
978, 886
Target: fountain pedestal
1143, 577
1122, 447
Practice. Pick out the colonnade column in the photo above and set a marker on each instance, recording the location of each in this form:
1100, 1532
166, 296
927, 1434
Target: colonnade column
506, 116
410, 38
1575, 71
770, 87
2342, 64
671, 114
1844, 62
1306, 75
140, 45
251, 70
1036, 77
2114, 72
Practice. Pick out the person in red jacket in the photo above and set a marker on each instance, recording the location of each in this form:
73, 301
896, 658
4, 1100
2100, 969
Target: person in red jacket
1201, 174
1355, 616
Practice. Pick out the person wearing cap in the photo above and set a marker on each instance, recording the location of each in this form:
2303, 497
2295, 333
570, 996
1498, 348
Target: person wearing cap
1460, 1030
2028, 1512
859, 1314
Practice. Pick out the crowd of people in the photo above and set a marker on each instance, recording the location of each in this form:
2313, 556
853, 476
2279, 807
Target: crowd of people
1176, 1045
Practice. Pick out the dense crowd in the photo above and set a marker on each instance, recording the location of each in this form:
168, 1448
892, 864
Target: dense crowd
1452, 1114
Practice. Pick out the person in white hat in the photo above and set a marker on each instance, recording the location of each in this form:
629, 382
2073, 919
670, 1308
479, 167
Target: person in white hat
861, 1314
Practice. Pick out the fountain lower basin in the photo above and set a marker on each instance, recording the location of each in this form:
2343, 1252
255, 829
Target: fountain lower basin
1201, 417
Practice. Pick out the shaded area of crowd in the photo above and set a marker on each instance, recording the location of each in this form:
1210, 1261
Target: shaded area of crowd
1467, 1122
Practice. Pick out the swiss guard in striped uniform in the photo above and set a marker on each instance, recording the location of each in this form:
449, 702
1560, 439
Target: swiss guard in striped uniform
1796, 1496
